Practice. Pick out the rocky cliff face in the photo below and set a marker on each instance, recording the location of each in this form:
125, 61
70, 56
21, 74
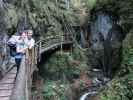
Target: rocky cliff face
50, 17
44, 17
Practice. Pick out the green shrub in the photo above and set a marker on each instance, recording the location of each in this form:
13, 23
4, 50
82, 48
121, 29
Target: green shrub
64, 65
54, 90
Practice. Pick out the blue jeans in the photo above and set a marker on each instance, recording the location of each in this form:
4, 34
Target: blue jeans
18, 62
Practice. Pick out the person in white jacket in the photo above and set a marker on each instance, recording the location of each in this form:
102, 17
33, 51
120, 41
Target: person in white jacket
20, 50
30, 42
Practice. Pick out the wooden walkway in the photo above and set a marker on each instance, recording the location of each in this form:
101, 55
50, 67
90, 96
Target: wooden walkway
7, 84
19, 89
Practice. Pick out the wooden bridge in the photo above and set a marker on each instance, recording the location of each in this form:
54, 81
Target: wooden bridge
20, 89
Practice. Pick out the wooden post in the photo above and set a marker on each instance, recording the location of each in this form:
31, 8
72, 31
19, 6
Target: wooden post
26, 82
40, 45
36, 54
33, 56
61, 45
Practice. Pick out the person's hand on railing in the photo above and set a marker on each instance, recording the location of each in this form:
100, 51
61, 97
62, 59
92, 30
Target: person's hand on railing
30, 47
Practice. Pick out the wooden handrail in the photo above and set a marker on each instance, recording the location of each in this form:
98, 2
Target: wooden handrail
52, 40
19, 88
52, 37
23, 81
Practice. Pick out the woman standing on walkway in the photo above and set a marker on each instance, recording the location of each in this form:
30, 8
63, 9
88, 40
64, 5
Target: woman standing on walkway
20, 49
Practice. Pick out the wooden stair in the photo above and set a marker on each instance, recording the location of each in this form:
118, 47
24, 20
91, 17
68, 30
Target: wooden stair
7, 84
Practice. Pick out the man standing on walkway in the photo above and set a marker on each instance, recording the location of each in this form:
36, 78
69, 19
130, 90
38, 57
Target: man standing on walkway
30, 44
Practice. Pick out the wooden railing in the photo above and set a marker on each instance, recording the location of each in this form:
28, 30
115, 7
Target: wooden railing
23, 81
19, 88
28, 65
52, 42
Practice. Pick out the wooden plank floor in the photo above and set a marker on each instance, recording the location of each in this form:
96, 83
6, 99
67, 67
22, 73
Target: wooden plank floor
7, 84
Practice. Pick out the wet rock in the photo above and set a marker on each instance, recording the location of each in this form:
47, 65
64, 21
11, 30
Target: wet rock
94, 98
105, 43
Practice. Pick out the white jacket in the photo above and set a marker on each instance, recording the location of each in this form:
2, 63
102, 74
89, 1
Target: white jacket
30, 43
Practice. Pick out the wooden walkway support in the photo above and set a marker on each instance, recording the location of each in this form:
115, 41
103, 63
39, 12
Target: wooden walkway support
21, 88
